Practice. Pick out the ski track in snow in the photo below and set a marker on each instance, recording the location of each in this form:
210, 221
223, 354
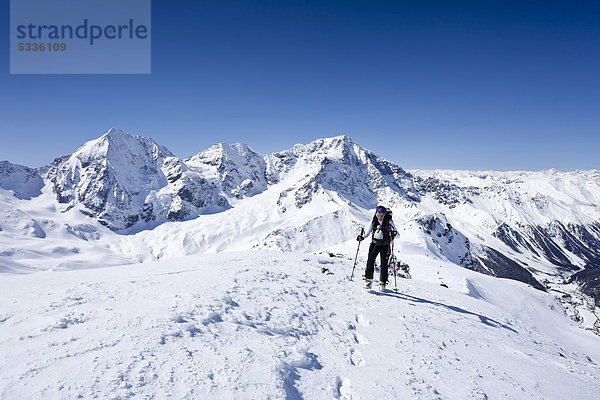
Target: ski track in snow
262, 325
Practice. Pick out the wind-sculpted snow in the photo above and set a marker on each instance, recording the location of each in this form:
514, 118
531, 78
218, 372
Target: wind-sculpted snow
18, 223
320, 232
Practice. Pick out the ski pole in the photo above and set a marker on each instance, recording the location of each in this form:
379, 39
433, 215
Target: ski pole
394, 265
362, 232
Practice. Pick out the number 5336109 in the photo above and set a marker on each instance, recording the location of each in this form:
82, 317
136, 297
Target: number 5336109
42, 46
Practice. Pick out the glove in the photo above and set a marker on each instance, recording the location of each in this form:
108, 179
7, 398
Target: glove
393, 234
360, 238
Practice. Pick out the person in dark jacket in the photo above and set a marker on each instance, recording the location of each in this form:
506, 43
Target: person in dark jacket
384, 231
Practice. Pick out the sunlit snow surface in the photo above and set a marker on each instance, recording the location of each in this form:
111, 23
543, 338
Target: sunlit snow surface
227, 322
267, 325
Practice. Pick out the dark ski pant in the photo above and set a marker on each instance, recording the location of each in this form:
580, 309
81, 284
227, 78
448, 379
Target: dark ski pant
382, 249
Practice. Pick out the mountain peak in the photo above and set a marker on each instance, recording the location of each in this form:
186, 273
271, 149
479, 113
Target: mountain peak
221, 153
117, 144
235, 148
118, 138
342, 137
116, 132
115, 136
339, 142
112, 176
331, 147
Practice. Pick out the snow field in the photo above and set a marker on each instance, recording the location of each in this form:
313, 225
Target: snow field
262, 325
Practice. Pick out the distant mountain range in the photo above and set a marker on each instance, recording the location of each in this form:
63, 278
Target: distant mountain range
123, 198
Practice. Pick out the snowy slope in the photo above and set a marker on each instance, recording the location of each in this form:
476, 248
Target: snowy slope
123, 198
35, 235
261, 325
543, 225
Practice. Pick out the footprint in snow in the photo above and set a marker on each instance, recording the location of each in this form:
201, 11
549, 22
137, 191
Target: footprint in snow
228, 301
362, 320
73, 300
67, 321
212, 317
360, 339
344, 389
478, 394
179, 319
356, 358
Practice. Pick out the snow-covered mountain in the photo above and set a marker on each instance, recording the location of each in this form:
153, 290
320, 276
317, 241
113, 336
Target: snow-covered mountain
123, 180
24, 182
236, 170
124, 197
543, 224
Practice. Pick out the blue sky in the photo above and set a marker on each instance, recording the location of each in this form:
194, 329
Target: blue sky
470, 85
